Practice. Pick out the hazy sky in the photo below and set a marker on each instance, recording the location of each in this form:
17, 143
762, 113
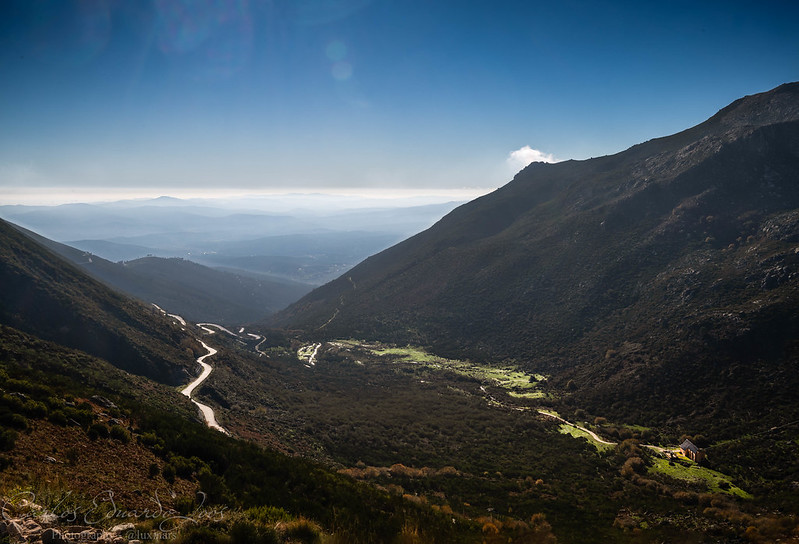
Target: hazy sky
176, 95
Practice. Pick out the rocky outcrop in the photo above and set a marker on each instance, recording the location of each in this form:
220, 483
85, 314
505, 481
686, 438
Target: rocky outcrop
26, 522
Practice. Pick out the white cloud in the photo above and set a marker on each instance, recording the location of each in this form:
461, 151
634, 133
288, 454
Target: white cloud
522, 157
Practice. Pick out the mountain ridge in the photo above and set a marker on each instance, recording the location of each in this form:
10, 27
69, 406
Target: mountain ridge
562, 263
48, 297
196, 292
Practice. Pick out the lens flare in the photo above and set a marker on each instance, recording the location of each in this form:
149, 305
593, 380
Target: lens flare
217, 32
336, 50
342, 71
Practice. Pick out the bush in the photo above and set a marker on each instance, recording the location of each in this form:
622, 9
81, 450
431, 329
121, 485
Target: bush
213, 486
633, 465
8, 438
243, 532
302, 530
98, 430
15, 421
202, 535
58, 417
117, 432
185, 505
168, 473
267, 515
186, 467
72, 456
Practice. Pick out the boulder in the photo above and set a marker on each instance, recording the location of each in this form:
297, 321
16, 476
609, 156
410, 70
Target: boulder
104, 402
48, 519
32, 528
14, 529
122, 527
52, 536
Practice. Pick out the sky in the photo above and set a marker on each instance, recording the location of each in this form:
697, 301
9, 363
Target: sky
122, 98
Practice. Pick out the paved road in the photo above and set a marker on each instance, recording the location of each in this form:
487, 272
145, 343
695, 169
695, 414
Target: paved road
207, 411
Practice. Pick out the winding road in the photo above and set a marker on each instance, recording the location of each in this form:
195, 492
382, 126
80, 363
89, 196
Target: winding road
207, 411
258, 345
592, 433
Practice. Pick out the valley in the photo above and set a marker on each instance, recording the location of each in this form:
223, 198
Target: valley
460, 418
598, 351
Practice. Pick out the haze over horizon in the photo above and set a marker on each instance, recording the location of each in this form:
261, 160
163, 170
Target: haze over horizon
106, 100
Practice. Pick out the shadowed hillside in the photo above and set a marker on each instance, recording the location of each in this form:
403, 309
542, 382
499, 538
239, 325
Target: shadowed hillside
44, 295
196, 292
683, 247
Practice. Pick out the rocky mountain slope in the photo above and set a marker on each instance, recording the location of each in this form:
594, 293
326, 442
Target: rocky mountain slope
44, 295
670, 267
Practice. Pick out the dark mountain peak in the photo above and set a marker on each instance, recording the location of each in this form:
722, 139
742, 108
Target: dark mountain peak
778, 105
564, 247
684, 245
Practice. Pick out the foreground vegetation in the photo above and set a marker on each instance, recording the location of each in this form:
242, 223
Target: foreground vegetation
451, 435
49, 392
423, 449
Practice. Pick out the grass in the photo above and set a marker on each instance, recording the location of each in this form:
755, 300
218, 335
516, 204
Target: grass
520, 384
528, 395
410, 355
579, 433
692, 472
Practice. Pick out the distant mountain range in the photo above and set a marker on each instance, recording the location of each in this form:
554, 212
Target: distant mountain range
311, 241
664, 275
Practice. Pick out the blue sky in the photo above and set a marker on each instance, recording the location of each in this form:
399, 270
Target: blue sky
321, 95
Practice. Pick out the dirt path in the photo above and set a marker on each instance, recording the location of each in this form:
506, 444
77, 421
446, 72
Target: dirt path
591, 433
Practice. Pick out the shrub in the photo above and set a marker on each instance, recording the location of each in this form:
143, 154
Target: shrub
186, 467
72, 456
58, 417
212, 485
8, 438
267, 515
202, 535
185, 505
35, 409
15, 421
243, 532
98, 430
630, 448
117, 432
686, 497
632, 466
302, 529
168, 473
